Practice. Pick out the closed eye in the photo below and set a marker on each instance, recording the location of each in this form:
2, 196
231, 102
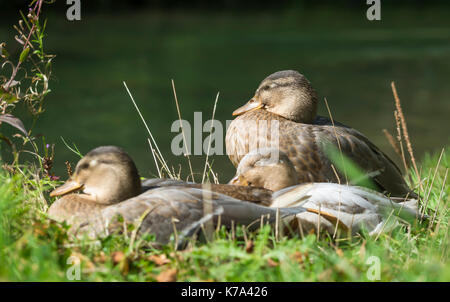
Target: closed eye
84, 166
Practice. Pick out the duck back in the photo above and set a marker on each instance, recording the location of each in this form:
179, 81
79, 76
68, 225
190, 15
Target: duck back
304, 145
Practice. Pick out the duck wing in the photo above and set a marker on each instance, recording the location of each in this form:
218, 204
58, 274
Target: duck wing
163, 210
386, 174
251, 194
153, 183
354, 207
304, 145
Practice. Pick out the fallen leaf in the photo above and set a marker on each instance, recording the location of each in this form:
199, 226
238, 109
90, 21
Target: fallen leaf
39, 229
87, 263
249, 246
325, 275
117, 257
179, 255
339, 252
169, 275
159, 259
272, 263
299, 256
100, 258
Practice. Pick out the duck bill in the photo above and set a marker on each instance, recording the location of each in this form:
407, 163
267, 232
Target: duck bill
68, 187
253, 104
238, 180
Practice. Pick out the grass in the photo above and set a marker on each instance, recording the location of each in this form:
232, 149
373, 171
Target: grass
35, 249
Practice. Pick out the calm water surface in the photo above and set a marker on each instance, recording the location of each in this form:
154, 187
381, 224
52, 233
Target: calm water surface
349, 60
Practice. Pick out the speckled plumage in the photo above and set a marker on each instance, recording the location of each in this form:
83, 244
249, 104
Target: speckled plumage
304, 142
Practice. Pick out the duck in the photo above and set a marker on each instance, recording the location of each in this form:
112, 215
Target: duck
104, 176
258, 195
331, 207
106, 185
283, 114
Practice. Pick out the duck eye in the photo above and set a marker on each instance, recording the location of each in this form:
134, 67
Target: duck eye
84, 166
266, 87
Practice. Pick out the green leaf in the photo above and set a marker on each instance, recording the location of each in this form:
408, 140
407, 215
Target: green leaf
355, 175
48, 65
74, 150
9, 98
24, 55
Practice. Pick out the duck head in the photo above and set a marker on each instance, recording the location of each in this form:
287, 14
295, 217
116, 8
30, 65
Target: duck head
286, 93
266, 168
105, 175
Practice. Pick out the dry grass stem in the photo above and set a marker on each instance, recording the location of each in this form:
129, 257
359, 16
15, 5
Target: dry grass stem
392, 142
233, 231
137, 227
154, 158
175, 233
148, 130
400, 140
209, 142
208, 226
337, 139
214, 175
182, 131
219, 224
384, 224
277, 225
405, 129
318, 223
336, 174
338, 216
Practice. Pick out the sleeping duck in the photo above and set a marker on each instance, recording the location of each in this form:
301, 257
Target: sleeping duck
106, 184
327, 204
283, 114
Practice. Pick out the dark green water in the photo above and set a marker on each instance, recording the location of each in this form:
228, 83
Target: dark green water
348, 59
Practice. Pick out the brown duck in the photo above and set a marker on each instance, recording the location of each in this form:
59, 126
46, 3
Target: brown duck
285, 101
106, 184
330, 206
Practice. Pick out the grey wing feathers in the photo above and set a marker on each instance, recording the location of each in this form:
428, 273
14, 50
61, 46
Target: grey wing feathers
366, 155
160, 211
